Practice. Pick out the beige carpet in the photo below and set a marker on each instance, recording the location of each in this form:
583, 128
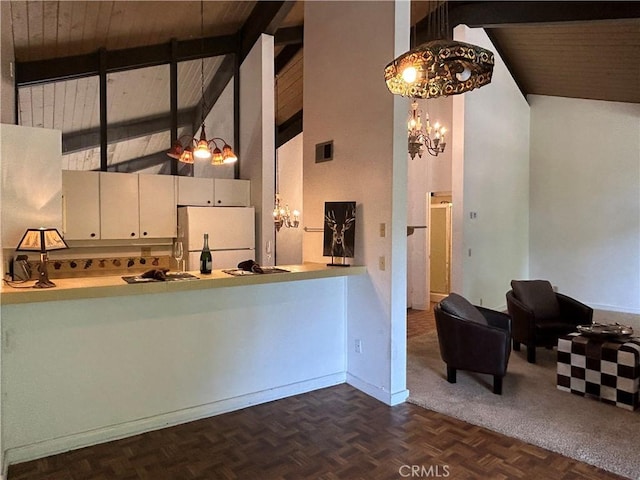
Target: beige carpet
530, 408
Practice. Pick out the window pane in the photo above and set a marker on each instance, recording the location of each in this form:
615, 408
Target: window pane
72, 106
138, 133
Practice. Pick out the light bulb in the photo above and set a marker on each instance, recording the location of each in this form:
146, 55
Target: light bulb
410, 74
202, 150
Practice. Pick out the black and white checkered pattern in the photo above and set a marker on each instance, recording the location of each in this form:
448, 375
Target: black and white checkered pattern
608, 370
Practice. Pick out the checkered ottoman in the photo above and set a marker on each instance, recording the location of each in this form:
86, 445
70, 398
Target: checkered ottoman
608, 370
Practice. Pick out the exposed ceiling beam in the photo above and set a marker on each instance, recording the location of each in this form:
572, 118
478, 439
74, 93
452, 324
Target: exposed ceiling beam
289, 129
78, 66
265, 17
285, 56
220, 80
497, 13
289, 35
141, 127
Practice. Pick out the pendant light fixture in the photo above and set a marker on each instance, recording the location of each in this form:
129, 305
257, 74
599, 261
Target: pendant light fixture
440, 67
202, 148
427, 136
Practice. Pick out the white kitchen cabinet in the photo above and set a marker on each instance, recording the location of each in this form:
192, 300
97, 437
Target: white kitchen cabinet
81, 205
119, 218
157, 206
231, 192
195, 191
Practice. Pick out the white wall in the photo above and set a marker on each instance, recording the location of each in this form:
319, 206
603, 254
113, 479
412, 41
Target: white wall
289, 240
257, 134
7, 57
81, 372
346, 100
490, 176
426, 174
31, 183
585, 199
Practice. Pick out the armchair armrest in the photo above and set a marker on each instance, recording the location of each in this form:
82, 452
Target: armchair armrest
496, 319
574, 311
522, 318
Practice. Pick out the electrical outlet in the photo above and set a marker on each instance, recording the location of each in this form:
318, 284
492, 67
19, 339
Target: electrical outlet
358, 345
383, 230
382, 263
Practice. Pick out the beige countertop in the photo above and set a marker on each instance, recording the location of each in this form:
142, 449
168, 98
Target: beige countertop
113, 286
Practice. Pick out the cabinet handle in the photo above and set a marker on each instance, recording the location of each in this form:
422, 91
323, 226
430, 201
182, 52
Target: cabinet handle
219, 201
208, 201
133, 234
144, 233
92, 235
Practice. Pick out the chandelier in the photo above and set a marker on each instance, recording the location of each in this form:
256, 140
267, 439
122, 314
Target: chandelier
202, 148
283, 216
420, 137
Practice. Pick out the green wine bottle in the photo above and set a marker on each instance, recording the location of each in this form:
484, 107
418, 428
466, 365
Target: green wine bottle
206, 260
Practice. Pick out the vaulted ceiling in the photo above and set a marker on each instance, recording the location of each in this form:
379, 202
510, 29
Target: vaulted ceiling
571, 49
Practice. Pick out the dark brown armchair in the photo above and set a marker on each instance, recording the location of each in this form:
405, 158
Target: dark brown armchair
473, 338
540, 315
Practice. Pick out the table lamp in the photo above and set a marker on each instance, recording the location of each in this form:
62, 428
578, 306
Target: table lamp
42, 240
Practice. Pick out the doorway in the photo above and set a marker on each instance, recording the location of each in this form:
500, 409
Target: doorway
439, 245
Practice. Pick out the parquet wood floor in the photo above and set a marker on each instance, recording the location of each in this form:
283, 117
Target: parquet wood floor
420, 321
334, 433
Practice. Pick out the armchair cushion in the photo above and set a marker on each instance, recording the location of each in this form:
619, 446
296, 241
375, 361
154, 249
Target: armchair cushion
460, 307
539, 296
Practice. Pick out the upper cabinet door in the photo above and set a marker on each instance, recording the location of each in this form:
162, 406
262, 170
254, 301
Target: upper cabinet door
195, 191
118, 206
232, 193
81, 205
157, 206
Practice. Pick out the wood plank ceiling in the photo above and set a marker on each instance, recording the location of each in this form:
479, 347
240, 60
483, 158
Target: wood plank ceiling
594, 56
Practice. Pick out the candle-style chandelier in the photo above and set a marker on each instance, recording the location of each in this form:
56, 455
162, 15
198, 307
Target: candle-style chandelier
283, 216
420, 136
202, 148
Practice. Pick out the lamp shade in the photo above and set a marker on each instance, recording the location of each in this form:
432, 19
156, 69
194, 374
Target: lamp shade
41, 240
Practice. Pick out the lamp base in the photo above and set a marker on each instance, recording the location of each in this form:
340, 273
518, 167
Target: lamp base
43, 280
44, 284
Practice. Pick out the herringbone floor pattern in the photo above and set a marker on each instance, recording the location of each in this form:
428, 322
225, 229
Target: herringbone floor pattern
334, 433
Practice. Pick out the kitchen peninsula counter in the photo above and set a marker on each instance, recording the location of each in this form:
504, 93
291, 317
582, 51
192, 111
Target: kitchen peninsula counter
95, 359
113, 286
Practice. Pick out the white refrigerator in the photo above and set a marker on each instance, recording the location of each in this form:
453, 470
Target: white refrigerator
232, 234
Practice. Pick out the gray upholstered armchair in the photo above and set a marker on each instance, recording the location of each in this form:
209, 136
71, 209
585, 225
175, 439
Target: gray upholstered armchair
473, 338
540, 316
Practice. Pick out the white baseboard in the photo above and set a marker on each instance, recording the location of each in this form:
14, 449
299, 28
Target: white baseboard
613, 308
114, 432
437, 297
378, 393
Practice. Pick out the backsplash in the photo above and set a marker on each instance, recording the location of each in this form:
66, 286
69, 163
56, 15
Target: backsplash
98, 266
